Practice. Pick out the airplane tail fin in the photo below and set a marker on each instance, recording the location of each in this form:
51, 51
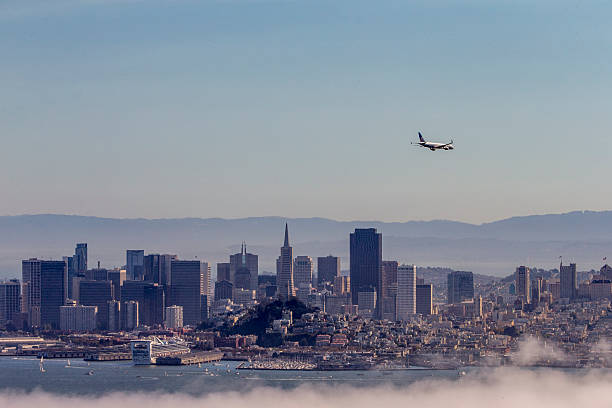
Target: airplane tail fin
421, 137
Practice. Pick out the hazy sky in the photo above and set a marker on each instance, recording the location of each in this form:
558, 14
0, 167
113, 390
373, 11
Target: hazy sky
305, 108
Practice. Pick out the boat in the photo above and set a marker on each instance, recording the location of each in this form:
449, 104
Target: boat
90, 372
68, 364
41, 366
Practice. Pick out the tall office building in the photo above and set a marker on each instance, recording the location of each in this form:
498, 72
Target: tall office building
224, 290
568, 280
129, 315
366, 263
71, 273
522, 281
157, 268
406, 292
244, 269
342, 285
460, 286
188, 285
424, 299
151, 300
223, 272
284, 269
10, 299
114, 315
134, 264
151, 268
97, 293
78, 318
536, 290
366, 302
328, 269
80, 258
390, 277
45, 289
117, 277
174, 317
303, 268
99, 274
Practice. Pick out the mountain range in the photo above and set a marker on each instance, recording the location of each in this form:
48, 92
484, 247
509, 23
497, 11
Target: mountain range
495, 248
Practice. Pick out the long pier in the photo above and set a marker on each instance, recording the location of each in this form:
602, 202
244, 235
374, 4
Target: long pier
191, 358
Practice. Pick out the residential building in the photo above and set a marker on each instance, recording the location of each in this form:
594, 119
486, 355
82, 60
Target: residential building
174, 317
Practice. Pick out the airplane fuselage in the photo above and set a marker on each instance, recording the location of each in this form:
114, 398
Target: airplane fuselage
436, 146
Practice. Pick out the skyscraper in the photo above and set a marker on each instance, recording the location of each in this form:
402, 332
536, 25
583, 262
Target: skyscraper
303, 268
223, 272
151, 268
150, 298
80, 258
97, 293
460, 286
328, 268
45, 289
117, 277
424, 299
10, 295
390, 276
406, 292
366, 263
284, 269
134, 264
189, 284
568, 280
246, 265
522, 282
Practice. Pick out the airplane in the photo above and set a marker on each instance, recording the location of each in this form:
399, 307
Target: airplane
433, 146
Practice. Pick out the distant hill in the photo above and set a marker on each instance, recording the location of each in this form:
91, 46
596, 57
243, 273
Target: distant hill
490, 249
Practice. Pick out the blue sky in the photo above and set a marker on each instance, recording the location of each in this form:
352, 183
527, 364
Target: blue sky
305, 108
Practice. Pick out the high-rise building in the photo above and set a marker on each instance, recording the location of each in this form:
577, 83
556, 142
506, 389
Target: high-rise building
406, 292
174, 317
78, 317
10, 298
303, 268
134, 264
536, 290
129, 315
424, 299
99, 274
366, 301
157, 268
97, 293
223, 290
45, 289
568, 280
114, 315
342, 285
328, 269
80, 258
460, 286
284, 269
151, 300
151, 268
223, 272
366, 263
189, 283
390, 276
244, 269
117, 277
522, 281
